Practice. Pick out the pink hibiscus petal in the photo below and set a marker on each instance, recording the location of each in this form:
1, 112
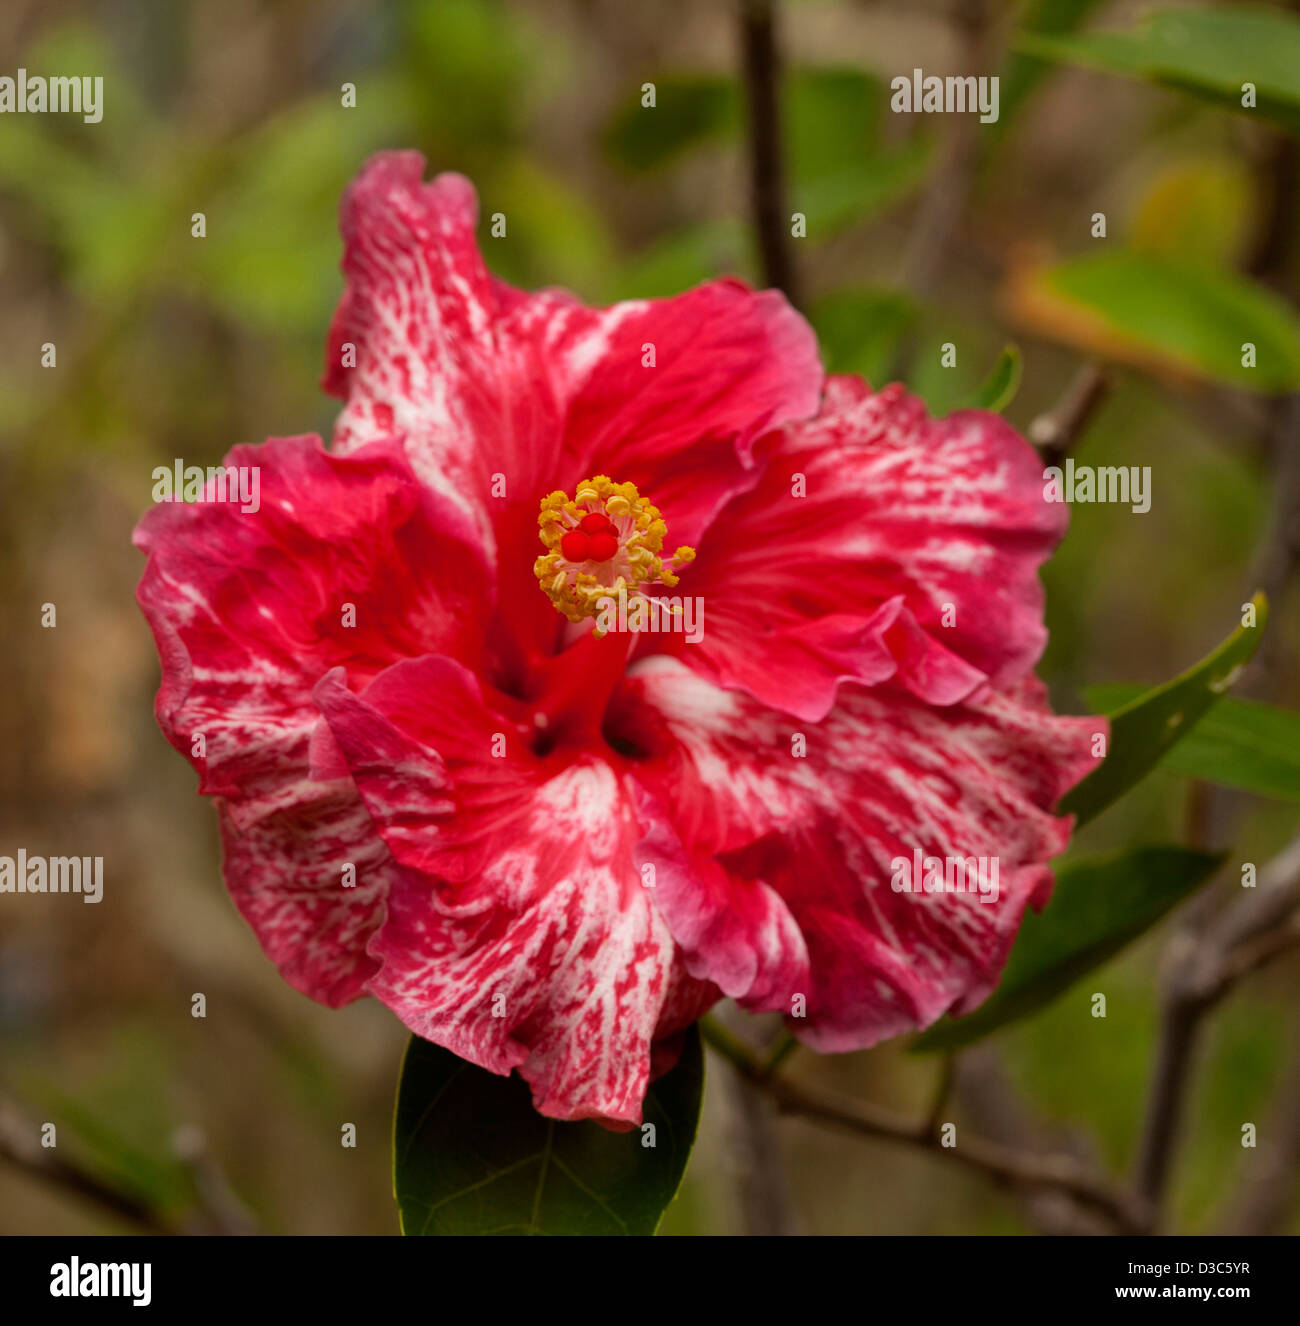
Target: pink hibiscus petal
482, 380
943, 517
248, 609
288, 873
798, 852
738, 934
728, 365
524, 937
417, 349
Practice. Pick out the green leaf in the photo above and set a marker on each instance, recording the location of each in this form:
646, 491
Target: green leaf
1157, 311
859, 330
1239, 743
1206, 51
1145, 728
998, 390
472, 1156
1100, 905
850, 99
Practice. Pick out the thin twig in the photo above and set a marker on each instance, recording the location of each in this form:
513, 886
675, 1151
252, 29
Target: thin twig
220, 1209
942, 1094
1268, 1182
20, 1145
1056, 432
992, 1106
1003, 1165
784, 1048
1202, 966
761, 66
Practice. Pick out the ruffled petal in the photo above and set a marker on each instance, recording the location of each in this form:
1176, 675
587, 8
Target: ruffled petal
345, 563
310, 878
805, 846
878, 541
502, 396
524, 937
672, 394
416, 349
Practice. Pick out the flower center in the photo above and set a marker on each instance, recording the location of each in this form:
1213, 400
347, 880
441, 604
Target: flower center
603, 543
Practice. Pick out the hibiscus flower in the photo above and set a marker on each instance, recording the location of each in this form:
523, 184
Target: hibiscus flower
549, 844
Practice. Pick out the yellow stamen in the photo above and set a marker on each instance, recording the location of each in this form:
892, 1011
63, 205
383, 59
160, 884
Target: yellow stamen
579, 589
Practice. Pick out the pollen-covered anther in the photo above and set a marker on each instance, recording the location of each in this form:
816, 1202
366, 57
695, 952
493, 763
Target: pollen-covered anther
604, 542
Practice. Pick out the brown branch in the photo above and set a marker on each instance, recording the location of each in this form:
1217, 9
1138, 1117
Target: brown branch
1212, 953
1005, 1166
1278, 172
996, 1110
936, 226
1056, 432
1269, 1181
763, 1192
20, 1145
761, 67
1278, 560
218, 1210
1204, 964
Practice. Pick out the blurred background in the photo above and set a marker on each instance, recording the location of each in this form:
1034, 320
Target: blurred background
921, 230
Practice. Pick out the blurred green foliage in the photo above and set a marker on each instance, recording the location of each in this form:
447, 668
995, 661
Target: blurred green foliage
1211, 51
1099, 906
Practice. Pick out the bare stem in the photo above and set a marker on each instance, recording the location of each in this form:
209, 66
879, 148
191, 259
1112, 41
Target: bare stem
218, 1210
20, 1145
1056, 432
1204, 964
761, 65
1003, 1165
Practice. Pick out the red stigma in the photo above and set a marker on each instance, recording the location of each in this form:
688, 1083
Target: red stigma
575, 546
602, 546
